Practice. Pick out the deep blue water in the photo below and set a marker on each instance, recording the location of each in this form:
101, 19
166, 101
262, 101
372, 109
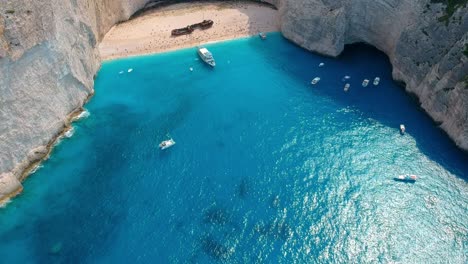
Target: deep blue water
267, 168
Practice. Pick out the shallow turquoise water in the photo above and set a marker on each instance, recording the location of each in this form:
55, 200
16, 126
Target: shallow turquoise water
267, 168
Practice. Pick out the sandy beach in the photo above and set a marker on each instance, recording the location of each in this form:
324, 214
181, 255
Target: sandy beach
150, 32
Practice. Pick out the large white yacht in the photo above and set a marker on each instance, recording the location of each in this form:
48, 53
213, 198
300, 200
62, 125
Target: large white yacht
206, 56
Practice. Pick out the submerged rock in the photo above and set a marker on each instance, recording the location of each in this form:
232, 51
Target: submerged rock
276, 229
216, 250
243, 189
216, 215
56, 248
275, 201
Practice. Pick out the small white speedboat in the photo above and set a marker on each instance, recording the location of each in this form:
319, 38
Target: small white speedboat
406, 178
130, 70
166, 144
262, 35
376, 81
402, 129
321, 64
365, 83
346, 87
315, 80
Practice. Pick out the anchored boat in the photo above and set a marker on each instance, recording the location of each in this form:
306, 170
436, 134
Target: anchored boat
315, 80
206, 56
406, 178
262, 35
346, 87
365, 83
376, 81
402, 129
166, 144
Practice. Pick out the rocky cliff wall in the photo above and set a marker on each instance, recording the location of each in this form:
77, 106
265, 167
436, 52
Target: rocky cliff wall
425, 49
48, 59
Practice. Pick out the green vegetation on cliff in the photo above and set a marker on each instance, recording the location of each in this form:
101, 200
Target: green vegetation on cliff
450, 7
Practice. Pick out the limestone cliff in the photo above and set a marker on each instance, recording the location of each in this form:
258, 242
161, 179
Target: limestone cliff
48, 59
47, 63
424, 43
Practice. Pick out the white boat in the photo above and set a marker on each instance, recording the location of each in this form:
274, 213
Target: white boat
346, 87
166, 144
315, 80
406, 178
262, 35
206, 56
321, 64
402, 129
129, 70
365, 83
376, 81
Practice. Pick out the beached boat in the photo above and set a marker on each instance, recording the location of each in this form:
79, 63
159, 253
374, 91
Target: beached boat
206, 56
406, 178
346, 87
166, 144
204, 24
182, 31
365, 83
376, 81
262, 35
315, 80
402, 129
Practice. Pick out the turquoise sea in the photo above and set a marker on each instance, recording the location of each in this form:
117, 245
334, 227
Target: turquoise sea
267, 167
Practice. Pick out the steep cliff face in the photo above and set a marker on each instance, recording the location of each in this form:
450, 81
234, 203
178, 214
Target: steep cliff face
48, 58
426, 52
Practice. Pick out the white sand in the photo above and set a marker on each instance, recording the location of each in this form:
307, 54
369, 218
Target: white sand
151, 31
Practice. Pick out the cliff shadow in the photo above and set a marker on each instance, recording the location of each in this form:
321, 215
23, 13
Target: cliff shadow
388, 103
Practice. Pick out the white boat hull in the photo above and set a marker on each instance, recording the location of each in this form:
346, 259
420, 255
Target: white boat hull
166, 144
365, 83
206, 56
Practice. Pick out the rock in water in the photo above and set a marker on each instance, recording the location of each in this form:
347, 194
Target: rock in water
56, 248
243, 189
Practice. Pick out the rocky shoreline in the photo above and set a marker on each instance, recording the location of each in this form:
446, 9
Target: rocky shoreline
48, 61
10, 183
